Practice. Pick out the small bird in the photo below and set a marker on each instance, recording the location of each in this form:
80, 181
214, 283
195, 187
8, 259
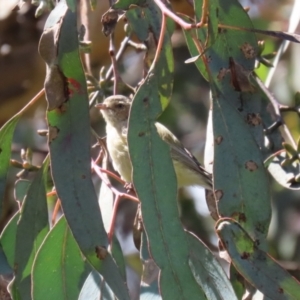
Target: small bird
115, 110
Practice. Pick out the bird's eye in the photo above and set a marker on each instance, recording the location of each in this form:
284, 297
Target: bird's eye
120, 106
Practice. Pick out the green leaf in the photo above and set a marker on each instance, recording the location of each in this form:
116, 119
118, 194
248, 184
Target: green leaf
31, 230
138, 22
149, 289
6, 136
5, 267
155, 183
229, 62
240, 179
237, 281
69, 144
260, 269
117, 254
238, 106
8, 239
125, 4
208, 271
59, 269
21, 188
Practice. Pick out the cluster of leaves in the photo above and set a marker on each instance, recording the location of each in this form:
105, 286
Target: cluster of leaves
65, 261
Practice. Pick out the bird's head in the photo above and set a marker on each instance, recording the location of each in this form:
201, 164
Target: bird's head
115, 110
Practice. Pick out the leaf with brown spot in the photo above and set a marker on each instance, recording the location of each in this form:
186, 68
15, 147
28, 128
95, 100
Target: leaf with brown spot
240, 77
255, 265
55, 81
52, 133
251, 165
234, 158
219, 140
253, 119
248, 51
109, 21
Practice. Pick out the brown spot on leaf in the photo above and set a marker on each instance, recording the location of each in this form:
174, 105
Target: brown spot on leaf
62, 109
211, 204
242, 218
53, 132
146, 102
248, 51
218, 139
221, 30
253, 119
260, 227
55, 81
239, 216
218, 195
101, 252
281, 290
240, 77
251, 165
83, 176
141, 134
245, 255
222, 74
109, 21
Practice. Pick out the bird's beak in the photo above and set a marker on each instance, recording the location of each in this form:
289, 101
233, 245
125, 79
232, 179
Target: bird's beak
101, 106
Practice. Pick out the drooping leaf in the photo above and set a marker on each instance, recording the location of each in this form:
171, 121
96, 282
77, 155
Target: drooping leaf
208, 271
8, 239
156, 189
69, 143
32, 228
155, 184
242, 186
6, 135
59, 269
260, 269
240, 179
149, 289
21, 188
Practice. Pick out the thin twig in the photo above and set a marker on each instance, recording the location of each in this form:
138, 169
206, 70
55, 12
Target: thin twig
122, 48
294, 21
160, 41
178, 20
277, 107
32, 101
112, 53
98, 171
118, 196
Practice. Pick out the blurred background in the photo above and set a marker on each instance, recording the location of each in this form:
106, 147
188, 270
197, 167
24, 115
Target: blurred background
22, 73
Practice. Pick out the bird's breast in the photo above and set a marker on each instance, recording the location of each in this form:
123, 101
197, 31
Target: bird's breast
118, 150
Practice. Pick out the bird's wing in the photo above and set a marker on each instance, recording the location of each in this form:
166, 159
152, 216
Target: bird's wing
179, 153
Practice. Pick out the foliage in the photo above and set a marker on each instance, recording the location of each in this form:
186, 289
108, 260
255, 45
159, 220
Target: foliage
78, 256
